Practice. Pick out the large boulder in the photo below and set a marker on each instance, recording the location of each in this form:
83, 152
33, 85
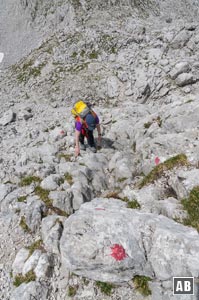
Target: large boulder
106, 241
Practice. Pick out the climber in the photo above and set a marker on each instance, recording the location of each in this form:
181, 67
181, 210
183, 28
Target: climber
86, 120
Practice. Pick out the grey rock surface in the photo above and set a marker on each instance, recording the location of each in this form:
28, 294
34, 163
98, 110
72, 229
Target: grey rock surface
62, 200
184, 182
7, 118
44, 266
19, 261
185, 79
97, 242
51, 230
137, 63
30, 290
33, 212
179, 68
51, 182
31, 262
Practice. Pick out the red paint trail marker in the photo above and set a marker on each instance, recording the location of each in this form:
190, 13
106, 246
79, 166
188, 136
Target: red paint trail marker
157, 160
118, 252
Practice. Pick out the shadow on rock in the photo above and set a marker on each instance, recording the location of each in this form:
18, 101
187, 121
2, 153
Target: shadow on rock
111, 144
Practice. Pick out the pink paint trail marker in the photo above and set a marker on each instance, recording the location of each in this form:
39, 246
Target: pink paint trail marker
118, 252
157, 160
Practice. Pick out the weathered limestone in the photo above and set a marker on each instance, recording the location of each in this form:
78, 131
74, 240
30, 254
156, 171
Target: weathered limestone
108, 242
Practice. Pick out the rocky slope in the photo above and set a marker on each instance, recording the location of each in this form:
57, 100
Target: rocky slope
124, 220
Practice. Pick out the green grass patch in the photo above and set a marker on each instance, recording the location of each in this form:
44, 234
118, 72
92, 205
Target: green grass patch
22, 199
85, 281
74, 54
24, 225
29, 179
38, 245
130, 204
105, 287
113, 50
122, 179
76, 3
59, 211
93, 55
61, 181
156, 120
133, 204
82, 53
142, 285
134, 146
68, 178
67, 157
158, 171
191, 205
28, 70
189, 101
43, 195
113, 194
19, 279
78, 68
147, 125
107, 44
72, 290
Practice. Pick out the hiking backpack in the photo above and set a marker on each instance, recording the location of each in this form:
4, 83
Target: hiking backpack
81, 112
80, 109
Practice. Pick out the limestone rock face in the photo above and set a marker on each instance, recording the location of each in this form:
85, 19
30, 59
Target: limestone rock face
28, 19
137, 64
106, 241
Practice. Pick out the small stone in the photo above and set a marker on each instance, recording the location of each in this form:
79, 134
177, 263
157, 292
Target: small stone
27, 116
185, 79
8, 117
182, 67
187, 90
168, 20
112, 87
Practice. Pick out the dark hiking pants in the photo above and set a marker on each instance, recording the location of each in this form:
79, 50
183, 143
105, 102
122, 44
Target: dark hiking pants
89, 136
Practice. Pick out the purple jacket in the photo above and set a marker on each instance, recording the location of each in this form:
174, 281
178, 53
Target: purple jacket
79, 125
